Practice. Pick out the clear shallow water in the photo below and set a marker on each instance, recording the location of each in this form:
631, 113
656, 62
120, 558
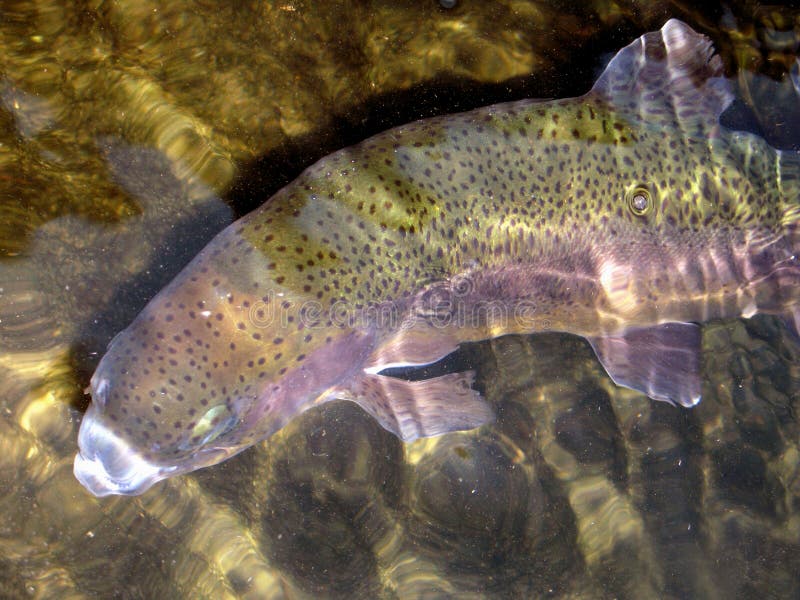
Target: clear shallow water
131, 135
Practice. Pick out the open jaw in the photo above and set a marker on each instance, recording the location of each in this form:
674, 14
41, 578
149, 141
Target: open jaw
106, 464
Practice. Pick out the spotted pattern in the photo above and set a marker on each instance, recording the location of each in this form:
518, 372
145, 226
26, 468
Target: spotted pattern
526, 201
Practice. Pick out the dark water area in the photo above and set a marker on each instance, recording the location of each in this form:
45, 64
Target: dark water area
131, 133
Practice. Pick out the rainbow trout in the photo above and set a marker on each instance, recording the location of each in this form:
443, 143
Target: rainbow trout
626, 216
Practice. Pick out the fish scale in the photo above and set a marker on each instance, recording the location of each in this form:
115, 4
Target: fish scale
627, 216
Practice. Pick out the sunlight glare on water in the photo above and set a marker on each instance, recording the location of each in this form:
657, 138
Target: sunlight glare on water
132, 133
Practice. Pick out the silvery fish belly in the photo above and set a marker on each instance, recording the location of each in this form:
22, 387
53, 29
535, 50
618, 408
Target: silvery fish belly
627, 216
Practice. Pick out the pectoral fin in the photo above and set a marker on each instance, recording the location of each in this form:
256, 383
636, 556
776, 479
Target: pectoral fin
413, 346
414, 409
661, 361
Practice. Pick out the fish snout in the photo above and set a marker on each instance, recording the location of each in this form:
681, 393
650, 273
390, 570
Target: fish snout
106, 464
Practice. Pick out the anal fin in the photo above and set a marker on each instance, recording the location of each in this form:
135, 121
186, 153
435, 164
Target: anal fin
662, 361
414, 409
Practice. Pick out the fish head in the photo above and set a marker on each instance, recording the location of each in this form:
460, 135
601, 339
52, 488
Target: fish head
165, 400
211, 366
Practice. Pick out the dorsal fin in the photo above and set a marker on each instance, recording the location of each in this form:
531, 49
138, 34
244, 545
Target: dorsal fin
667, 77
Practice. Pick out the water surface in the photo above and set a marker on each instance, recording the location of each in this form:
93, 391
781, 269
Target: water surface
131, 133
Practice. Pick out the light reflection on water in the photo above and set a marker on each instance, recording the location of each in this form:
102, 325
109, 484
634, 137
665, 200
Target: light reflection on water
125, 135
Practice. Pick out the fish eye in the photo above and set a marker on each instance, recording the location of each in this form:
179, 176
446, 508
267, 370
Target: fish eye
640, 200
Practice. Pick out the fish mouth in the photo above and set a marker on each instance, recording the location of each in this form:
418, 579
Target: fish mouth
107, 465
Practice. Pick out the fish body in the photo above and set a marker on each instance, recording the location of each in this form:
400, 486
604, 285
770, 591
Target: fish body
627, 216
